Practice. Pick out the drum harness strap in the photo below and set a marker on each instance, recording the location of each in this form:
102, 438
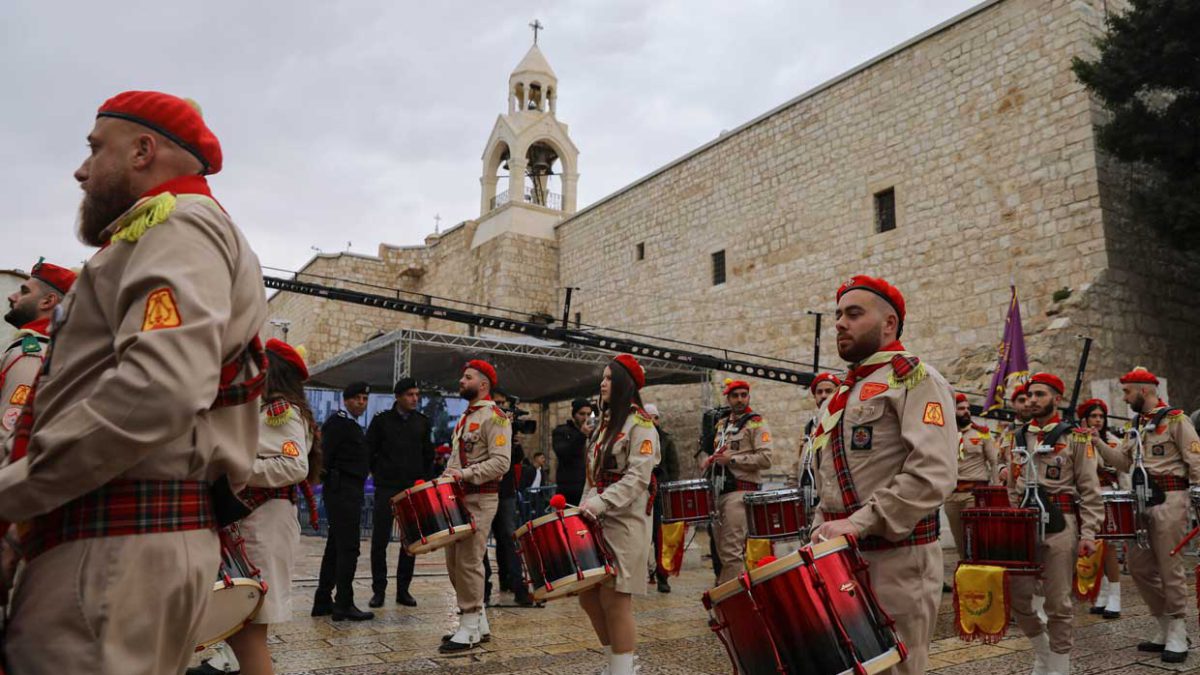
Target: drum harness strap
1051, 518
724, 481
1148, 490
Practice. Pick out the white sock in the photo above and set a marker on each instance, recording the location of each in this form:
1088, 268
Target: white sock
621, 664
1102, 596
1114, 597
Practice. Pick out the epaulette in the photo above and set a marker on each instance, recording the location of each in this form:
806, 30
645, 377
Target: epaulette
1176, 416
30, 344
1080, 435
755, 422
499, 417
907, 372
278, 412
982, 429
642, 418
144, 216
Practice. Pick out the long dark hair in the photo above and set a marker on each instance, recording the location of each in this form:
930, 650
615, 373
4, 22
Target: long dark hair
622, 394
283, 382
1088, 412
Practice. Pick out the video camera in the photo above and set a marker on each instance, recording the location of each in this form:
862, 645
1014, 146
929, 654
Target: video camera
519, 425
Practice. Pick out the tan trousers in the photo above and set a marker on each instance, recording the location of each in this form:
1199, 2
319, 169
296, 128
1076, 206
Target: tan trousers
955, 503
731, 536
1059, 553
908, 583
464, 558
126, 605
1161, 579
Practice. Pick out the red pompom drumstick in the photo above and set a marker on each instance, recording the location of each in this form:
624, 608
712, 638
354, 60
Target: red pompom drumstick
558, 502
766, 560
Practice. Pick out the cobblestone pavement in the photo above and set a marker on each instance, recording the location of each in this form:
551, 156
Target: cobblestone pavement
673, 634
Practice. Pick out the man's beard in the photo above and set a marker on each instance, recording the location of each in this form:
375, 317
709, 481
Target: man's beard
1043, 412
963, 421
863, 347
101, 205
19, 316
468, 392
1139, 403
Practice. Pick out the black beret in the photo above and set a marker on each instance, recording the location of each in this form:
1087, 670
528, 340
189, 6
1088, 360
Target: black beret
580, 403
355, 388
403, 385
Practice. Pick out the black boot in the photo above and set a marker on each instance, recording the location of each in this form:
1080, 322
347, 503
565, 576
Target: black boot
322, 606
405, 598
376, 600
351, 613
663, 586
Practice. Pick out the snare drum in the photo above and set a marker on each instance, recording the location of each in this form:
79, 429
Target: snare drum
1005, 538
775, 514
810, 612
689, 501
991, 496
237, 594
432, 515
563, 553
1118, 515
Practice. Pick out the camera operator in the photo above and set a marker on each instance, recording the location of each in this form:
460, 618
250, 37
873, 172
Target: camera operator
569, 442
504, 523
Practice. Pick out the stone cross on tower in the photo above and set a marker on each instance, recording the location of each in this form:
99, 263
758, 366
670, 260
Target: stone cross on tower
536, 26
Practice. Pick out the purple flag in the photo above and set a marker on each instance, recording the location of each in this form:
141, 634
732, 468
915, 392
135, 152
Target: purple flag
1012, 366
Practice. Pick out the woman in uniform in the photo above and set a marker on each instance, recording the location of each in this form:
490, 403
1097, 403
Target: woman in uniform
1093, 415
288, 453
621, 455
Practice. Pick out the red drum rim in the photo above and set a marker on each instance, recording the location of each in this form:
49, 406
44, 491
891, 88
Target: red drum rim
442, 538
427, 485
236, 585
572, 584
773, 496
542, 520
775, 568
688, 484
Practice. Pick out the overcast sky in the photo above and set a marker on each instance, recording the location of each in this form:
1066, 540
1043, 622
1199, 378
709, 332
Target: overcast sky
359, 121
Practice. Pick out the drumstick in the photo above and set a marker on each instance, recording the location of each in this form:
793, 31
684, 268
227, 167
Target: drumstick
1186, 539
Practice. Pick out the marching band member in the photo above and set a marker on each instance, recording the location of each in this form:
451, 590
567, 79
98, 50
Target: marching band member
1093, 415
29, 311
145, 405
287, 454
1065, 466
885, 458
1171, 454
743, 452
822, 387
621, 457
482, 441
1020, 405
977, 457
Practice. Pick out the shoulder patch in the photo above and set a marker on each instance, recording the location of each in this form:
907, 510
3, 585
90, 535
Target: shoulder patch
766, 437
647, 447
290, 449
30, 344
500, 441
1194, 448
934, 415
19, 395
161, 311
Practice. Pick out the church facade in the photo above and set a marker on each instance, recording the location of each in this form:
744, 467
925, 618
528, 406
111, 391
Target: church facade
956, 165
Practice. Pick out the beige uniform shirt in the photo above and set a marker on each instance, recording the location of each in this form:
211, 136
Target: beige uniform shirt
901, 444
977, 454
486, 436
1069, 469
19, 367
1171, 449
749, 448
283, 443
128, 392
634, 455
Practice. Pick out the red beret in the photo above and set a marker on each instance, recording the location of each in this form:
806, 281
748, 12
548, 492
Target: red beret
1019, 390
176, 118
960, 398
1139, 375
1049, 380
634, 369
289, 354
823, 377
731, 385
1086, 407
485, 368
59, 278
877, 286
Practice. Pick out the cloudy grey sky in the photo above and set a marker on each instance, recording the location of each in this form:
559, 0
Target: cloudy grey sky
358, 121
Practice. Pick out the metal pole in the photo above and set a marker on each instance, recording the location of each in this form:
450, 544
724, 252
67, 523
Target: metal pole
567, 307
816, 342
1087, 347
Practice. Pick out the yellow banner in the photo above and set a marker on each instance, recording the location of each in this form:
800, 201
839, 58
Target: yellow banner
1088, 571
673, 535
757, 549
981, 602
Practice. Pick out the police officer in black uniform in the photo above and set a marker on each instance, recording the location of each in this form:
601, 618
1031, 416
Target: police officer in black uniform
346, 466
400, 441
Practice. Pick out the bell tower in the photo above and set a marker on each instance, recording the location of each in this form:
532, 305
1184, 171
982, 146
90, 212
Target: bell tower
530, 171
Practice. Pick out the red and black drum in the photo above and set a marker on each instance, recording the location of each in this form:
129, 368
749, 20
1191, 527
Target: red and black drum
563, 553
689, 501
1005, 537
810, 612
432, 515
991, 496
775, 514
1119, 522
238, 592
